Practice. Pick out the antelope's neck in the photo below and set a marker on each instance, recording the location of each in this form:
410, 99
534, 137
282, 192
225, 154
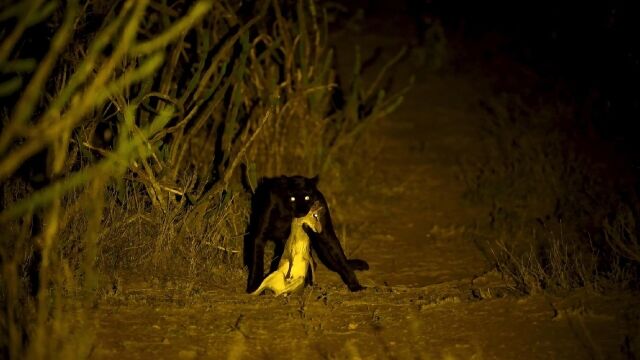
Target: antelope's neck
298, 236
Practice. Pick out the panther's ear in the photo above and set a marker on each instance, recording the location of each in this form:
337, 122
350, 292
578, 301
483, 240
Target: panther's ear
262, 180
314, 180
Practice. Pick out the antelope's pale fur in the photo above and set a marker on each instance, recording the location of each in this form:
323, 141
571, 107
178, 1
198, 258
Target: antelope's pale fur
296, 258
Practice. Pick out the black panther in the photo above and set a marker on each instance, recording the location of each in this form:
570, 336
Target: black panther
274, 204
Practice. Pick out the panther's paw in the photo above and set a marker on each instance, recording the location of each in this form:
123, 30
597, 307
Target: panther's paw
356, 287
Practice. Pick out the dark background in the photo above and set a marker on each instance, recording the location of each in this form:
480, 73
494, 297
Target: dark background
586, 53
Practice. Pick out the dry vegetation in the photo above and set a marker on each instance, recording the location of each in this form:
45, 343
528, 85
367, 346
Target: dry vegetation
131, 132
562, 213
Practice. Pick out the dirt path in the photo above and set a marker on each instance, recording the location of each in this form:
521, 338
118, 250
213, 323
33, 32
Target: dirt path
425, 298
420, 216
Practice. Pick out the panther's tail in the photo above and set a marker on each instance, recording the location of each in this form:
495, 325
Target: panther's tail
358, 264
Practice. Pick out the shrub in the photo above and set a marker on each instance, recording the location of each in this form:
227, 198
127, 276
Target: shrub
549, 201
123, 151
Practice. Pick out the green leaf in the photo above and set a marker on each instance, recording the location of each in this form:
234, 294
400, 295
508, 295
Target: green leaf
10, 86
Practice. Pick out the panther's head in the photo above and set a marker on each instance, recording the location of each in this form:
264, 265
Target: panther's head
314, 218
302, 193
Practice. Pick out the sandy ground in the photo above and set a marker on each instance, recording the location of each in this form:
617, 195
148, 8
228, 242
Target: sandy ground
431, 293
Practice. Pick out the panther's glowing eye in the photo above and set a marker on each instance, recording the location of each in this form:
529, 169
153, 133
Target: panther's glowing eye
315, 216
307, 197
293, 198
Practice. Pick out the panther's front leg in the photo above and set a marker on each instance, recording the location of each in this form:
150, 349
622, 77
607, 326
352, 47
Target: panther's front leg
255, 241
330, 252
256, 265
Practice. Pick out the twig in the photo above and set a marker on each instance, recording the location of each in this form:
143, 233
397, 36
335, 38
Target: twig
236, 160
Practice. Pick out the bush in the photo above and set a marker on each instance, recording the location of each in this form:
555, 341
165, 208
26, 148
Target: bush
124, 149
549, 201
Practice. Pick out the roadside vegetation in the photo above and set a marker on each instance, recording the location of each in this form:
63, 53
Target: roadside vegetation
132, 133
563, 205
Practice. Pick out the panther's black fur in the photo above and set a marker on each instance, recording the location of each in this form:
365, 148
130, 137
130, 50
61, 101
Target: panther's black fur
274, 204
